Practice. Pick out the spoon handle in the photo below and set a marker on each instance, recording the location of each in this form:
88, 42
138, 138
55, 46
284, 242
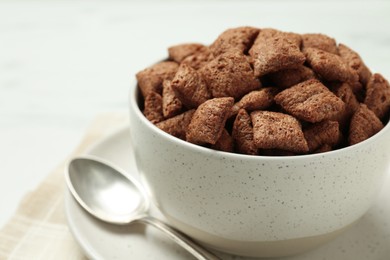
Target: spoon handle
184, 241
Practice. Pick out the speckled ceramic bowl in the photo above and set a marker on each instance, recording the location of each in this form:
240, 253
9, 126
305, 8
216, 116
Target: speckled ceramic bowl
257, 205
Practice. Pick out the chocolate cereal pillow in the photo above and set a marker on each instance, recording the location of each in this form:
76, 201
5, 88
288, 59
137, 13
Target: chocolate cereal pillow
262, 91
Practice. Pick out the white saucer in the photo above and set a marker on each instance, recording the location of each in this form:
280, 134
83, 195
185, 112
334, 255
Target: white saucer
369, 238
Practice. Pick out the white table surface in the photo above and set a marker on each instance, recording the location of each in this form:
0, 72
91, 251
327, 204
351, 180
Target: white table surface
62, 63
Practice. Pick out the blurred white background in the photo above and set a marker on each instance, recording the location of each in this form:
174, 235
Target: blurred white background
64, 62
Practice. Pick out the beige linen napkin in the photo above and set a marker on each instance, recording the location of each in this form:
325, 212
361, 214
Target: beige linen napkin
38, 229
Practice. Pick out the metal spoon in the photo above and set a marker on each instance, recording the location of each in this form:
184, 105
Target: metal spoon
109, 195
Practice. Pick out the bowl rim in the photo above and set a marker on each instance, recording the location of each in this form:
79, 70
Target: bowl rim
133, 105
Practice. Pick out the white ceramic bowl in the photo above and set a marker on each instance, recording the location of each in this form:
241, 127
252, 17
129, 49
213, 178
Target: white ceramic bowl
257, 205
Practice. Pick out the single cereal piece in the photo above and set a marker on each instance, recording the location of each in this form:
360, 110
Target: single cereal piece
364, 124
151, 79
274, 54
329, 66
274, 130
224, 143
291, 77
198, 59
179, 52
153, 108
345, 93
190, 87
319, 41
230, 75
243, 133
310, 101
177, 125
209, 120
294, 37
322, 133
171, 105
269, 33
360, 73
378, 95
357, 88
240, 38
255, 100
355, 62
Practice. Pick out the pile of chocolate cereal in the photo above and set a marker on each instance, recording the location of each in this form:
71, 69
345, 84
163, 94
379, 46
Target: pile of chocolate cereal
266, 92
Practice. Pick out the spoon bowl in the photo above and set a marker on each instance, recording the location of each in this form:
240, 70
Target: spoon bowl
111, 195
105, 192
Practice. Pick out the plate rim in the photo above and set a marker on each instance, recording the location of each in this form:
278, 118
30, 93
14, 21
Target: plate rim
88, 250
